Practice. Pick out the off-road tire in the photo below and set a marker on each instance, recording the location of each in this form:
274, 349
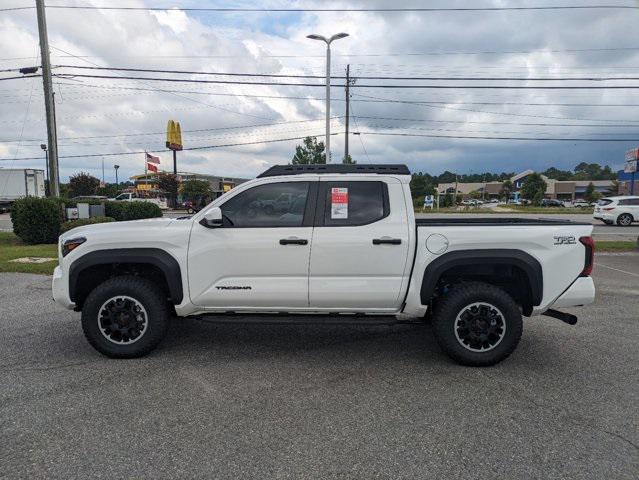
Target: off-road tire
624, 220
143, 291
456, 301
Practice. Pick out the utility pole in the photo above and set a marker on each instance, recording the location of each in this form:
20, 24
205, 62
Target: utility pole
49, 103
348, 96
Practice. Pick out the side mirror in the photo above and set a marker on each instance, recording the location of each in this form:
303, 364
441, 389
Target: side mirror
212, 218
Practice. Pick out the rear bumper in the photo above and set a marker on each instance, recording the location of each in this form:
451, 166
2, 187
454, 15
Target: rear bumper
60, 289
605, 216
581, 292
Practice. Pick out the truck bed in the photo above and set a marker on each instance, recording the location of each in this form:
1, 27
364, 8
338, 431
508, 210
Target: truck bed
492, 222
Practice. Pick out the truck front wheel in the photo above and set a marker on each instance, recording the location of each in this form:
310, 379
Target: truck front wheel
477, 324
125, 317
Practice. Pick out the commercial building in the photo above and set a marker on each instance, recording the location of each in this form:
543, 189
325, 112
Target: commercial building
567, 190
219, 185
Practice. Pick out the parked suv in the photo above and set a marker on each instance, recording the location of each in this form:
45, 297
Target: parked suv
620, 210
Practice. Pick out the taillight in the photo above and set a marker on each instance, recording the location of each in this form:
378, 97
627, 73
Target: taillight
589, 243
608, 208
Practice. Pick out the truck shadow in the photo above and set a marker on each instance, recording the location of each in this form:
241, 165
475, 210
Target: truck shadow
192, 337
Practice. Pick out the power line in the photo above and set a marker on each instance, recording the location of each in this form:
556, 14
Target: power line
449, 107
359, 77
21, 76
190, 148
174, 94
214, 129
540, 139
289, 97
13, 9
349, 55
338, 10
242, 82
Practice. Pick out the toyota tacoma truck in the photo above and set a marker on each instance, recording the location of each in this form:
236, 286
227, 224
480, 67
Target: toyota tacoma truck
345, 244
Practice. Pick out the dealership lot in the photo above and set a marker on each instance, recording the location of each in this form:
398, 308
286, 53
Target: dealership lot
229, 401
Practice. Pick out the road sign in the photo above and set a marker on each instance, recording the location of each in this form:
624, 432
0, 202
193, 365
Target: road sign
429, 201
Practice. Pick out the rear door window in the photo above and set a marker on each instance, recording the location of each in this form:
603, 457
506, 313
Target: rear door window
352, 203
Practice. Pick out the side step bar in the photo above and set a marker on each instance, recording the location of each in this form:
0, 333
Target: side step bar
568, 318
293, 319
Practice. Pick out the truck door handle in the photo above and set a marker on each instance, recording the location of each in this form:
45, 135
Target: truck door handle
387, 241
293, 241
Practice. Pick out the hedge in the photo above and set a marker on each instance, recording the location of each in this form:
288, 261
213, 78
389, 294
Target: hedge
122, 211
66, 226
37, 220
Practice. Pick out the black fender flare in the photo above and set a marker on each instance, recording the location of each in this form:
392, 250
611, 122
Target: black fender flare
151, 256
518, 258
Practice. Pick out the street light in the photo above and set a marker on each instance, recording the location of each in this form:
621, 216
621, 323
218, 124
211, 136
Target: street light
43, 146
116, 174
328, 42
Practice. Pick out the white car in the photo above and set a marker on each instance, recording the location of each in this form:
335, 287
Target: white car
621, 210
133, 197
346, 244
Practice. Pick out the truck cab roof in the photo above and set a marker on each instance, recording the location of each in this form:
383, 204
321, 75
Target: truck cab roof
380, 169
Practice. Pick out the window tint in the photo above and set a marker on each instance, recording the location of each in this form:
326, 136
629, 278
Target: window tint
604, 201
270, 205
629, 201
354, 203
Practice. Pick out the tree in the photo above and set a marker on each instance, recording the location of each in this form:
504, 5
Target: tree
110, 190
557, 174
421, 184
83, 184
311, 152
169, 185
614, 188
506, 189
194, 189
591, 195
534, 188
348, 160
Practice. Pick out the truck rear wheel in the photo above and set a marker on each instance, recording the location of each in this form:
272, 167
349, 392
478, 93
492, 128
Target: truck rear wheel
477, 324
125, 317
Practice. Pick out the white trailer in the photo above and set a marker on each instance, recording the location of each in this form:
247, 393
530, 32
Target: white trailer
20, 182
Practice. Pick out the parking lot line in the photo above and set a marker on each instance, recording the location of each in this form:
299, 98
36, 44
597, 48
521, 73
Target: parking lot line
617, 270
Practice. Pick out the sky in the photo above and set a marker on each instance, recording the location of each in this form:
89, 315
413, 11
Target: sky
99, 116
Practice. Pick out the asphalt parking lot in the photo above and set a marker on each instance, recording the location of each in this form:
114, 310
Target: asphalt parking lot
291, 401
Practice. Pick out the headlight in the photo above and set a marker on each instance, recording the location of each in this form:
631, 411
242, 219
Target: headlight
71, 244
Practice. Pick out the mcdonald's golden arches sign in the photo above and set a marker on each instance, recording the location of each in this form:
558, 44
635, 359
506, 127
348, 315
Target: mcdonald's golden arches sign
173, 136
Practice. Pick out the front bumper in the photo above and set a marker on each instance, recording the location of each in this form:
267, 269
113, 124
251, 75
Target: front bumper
60, 289
581, 292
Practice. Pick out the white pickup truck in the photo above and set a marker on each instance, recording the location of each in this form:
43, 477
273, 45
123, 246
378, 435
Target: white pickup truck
345, 244
134, 197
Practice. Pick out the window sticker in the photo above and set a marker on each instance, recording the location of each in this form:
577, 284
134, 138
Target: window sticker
339, 203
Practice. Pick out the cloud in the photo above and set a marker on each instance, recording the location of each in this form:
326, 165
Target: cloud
522, 44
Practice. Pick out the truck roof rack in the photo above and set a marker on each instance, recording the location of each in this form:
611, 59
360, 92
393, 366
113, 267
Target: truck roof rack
382, 169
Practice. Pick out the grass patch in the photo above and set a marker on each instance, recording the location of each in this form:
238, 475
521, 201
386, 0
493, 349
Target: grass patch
11, 247
615, 246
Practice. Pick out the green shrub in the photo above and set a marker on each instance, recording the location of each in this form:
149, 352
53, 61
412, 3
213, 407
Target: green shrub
37, 220
122, 211
66, 226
